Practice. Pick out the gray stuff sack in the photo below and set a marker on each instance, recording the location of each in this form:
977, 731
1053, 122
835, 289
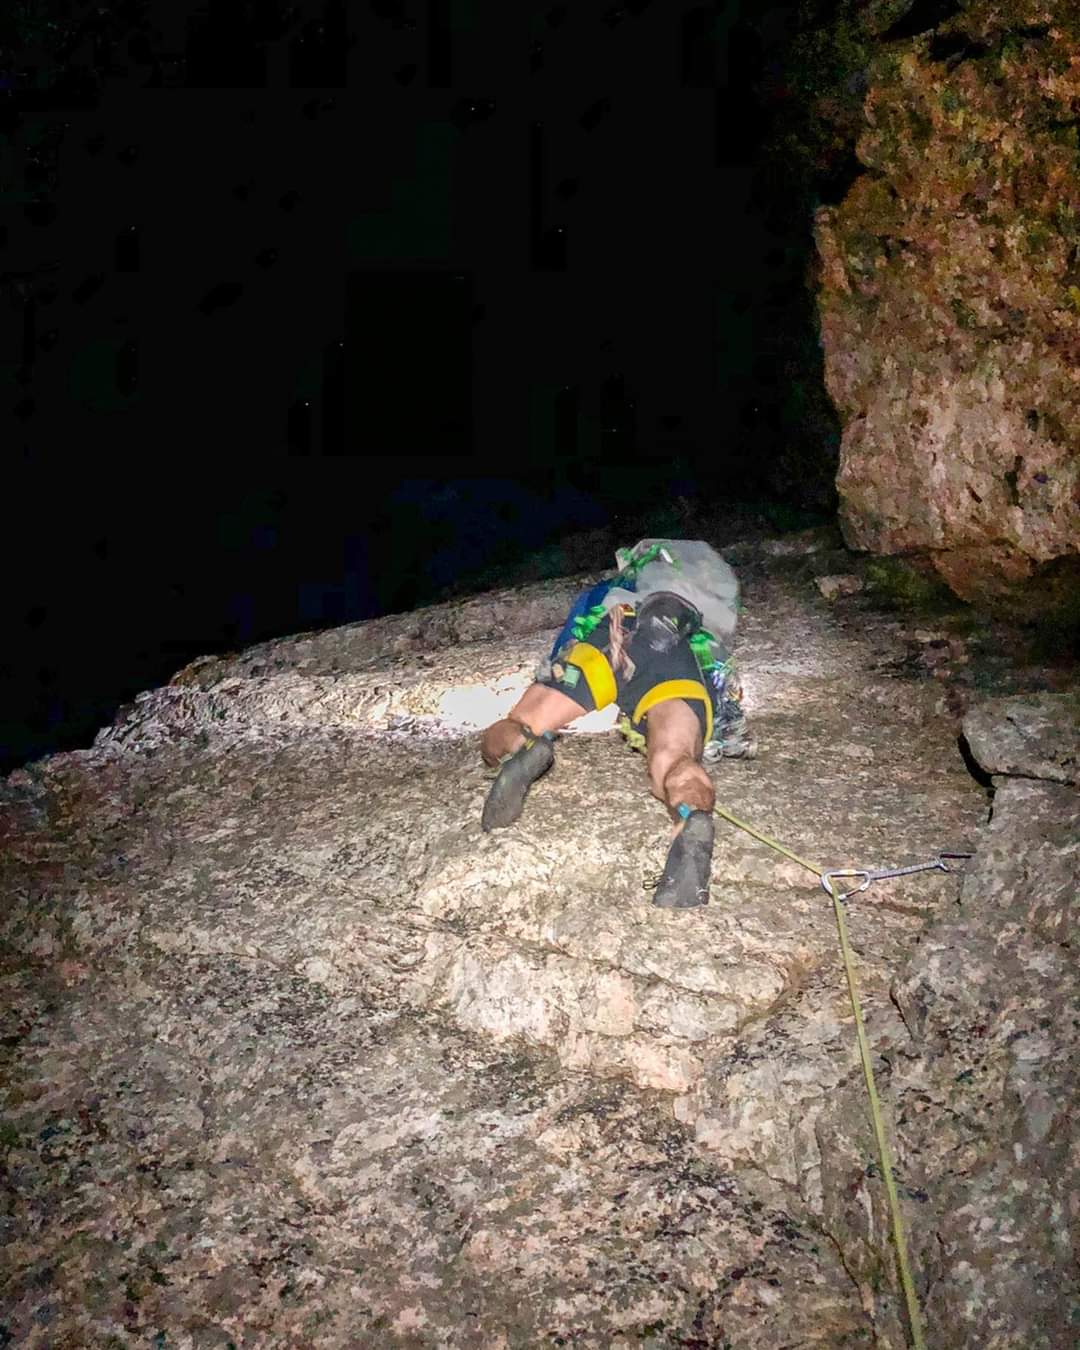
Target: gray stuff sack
695, 572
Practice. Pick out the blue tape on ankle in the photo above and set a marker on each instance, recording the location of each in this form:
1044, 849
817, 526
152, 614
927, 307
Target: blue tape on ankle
683, 810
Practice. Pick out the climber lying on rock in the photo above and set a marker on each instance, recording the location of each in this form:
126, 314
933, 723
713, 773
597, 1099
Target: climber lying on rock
656, 640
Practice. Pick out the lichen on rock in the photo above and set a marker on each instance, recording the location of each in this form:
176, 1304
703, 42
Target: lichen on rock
950, 305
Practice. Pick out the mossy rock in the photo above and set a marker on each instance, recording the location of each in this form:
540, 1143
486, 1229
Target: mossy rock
1050, 607
909, 584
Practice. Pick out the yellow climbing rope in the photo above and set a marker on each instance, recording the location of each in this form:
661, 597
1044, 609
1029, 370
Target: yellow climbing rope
899, 1237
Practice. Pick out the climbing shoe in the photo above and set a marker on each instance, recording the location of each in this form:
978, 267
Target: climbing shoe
518, 773
684, 883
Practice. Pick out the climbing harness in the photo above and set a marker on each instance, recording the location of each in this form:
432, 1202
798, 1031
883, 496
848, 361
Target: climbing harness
710, 587
828, 883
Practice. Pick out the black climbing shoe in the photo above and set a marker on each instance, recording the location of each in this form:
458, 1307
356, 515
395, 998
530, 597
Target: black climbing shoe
685, 880
517, 775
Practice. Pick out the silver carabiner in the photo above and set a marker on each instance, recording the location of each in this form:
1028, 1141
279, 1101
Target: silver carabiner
826, 878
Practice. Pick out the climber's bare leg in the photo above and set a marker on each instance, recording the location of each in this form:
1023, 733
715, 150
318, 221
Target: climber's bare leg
541, 709
674, 746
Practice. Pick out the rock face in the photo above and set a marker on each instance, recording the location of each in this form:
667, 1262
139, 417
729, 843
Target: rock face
984, 1094
950, 305
1036, 737
296, 1055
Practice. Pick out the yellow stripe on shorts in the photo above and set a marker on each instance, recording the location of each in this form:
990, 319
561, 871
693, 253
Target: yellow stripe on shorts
668, 689
599, 676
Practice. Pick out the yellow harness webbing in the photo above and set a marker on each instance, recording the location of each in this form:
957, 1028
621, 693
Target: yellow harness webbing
667, 689
599, 676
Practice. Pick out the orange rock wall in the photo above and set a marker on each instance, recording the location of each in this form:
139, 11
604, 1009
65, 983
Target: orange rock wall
950, 304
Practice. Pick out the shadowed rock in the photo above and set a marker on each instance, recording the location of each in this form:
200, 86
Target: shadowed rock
983, 1095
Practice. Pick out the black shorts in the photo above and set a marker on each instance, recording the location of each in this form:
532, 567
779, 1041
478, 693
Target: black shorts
586, 672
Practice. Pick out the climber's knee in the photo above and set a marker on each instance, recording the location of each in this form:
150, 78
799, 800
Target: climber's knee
674, 745
545, 709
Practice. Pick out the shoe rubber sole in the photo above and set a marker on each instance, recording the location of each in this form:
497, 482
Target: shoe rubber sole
684, 883
507, 796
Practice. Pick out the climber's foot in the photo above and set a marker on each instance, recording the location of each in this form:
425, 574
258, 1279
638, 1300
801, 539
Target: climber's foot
518, 773
685, 880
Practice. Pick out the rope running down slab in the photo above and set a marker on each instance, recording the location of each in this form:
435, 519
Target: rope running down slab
899, 1235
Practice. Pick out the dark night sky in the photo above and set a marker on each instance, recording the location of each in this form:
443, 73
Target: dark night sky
304, 318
